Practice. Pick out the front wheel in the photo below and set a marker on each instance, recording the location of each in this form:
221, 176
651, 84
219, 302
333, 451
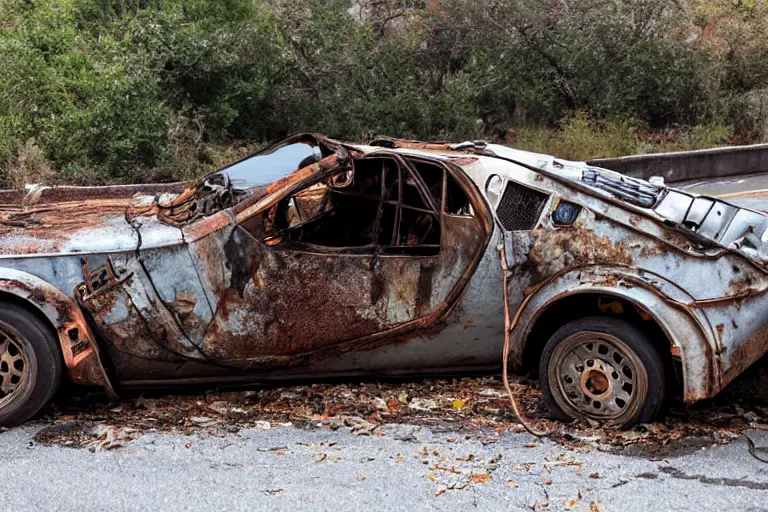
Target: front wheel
30, 365
603, 369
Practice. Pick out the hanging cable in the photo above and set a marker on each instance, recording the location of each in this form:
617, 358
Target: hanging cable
509, 324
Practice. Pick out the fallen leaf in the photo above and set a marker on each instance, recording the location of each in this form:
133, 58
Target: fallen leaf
422, 404
219, 407
109, 437
567, 463
359, 426
203, 421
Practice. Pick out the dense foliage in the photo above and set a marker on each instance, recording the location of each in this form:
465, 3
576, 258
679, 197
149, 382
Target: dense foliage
126, 90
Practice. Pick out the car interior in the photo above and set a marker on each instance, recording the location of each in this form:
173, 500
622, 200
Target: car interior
383, 205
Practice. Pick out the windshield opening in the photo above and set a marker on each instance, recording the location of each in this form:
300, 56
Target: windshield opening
271, 164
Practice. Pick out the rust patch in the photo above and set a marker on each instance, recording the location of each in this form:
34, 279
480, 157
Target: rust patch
78, 346
559, 249
743, 288
415, 144
206, 226
52, 224
466, 160
748, 352
650, 249
284, 303
327, 163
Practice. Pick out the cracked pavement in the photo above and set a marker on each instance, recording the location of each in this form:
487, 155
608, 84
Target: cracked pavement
395, 467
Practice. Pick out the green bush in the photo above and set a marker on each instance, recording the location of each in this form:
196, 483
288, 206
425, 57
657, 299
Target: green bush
126, 90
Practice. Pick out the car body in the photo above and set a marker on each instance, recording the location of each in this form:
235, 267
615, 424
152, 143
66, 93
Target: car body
317, 258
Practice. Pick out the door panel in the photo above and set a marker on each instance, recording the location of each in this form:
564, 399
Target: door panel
279, 296
271, 303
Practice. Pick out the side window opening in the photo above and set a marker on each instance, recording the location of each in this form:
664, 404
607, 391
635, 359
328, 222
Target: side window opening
432, 176
382, 208
412, 196
456, 200
418, 228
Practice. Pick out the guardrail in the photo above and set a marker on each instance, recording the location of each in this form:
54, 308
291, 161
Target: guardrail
683, 166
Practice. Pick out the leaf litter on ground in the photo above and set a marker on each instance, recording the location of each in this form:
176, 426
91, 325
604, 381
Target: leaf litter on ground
460, 405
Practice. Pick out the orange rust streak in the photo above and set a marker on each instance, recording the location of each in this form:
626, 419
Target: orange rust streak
414, 144
304, 173
469, 160
85, 367
59, 218
509, 324
292, 180
206, 226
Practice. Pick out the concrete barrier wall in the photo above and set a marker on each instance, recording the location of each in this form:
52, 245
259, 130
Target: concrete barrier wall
691, 165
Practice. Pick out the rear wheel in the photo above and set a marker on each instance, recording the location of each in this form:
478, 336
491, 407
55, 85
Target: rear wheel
603, 369
30, 365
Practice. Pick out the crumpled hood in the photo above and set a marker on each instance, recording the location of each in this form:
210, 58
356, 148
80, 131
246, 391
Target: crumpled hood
732, 224
83, 228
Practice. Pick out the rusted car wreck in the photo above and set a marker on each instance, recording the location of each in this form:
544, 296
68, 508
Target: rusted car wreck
319, 258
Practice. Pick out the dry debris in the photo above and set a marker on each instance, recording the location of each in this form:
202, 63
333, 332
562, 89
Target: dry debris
467, 404
109, 437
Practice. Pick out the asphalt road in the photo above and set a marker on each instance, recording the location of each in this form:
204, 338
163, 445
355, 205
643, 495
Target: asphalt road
397, 467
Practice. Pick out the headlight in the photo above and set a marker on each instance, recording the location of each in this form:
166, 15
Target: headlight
566, 213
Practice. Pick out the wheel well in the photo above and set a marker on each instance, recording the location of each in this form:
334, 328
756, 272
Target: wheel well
19, 301
44, 321
581, 305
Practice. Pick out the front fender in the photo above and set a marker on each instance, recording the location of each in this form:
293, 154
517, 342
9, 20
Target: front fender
687, 329
78, 345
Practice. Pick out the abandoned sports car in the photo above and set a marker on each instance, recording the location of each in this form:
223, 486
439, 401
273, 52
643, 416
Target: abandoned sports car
318, 258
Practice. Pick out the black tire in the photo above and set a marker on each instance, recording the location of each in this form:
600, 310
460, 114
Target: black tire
41, 364
621, 376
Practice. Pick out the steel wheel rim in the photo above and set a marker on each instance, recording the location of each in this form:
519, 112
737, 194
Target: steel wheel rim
597, 375
15, 365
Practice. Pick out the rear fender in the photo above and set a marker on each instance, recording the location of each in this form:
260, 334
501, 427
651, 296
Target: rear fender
78, 345
687, 329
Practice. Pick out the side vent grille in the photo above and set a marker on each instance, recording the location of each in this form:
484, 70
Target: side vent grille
520, 207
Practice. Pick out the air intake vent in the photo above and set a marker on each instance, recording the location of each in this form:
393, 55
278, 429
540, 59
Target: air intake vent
520, 207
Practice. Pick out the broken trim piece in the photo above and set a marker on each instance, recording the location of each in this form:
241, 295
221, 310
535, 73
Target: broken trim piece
78, 344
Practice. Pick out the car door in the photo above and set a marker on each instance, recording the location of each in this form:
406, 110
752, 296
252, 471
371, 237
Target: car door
364, 257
